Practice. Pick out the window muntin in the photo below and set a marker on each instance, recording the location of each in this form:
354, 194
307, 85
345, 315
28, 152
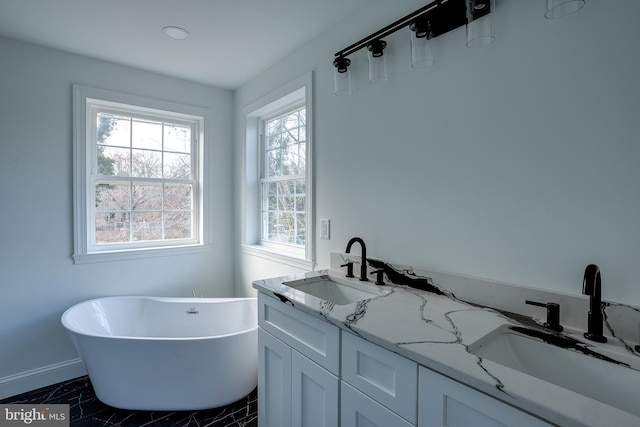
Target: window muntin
283, 179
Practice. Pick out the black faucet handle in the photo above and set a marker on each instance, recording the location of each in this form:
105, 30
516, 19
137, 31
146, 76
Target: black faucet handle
553, 314
349, 266
379, 276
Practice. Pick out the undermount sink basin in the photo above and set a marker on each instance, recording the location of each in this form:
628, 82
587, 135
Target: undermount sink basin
339, 293
565, 362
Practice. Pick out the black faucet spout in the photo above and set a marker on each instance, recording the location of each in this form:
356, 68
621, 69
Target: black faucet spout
592, 286
363, 266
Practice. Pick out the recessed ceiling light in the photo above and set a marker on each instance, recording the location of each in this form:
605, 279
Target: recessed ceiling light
175, 33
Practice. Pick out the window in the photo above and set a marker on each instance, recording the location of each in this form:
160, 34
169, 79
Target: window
283, 178
138, 175
278, 215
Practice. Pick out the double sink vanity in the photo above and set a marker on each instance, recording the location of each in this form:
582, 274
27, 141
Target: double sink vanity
409, 347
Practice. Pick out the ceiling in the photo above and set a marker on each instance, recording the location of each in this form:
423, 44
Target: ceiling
230, 41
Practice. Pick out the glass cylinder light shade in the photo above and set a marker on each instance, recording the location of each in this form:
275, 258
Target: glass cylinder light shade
342, 76
421, 50
480, 22
377, 62
561, 8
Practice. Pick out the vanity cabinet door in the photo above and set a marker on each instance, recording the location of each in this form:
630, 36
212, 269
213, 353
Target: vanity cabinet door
293, 391
315, 394
384, 376
444, 402
358, 410
274, 381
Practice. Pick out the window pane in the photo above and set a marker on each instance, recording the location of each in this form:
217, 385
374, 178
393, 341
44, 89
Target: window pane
299, 235
177, 166
178, 197
114, 161
177, 225
269, 196
274, 163
273, 134
294, 160
286, 222
146, 135
302, 156
287, 203
177, 138
288, 162
113, 197
280, 227
112, 227
113, 130
146, 225
105, 164
288, 187
146, 164
291, 128
271, 220
146, 197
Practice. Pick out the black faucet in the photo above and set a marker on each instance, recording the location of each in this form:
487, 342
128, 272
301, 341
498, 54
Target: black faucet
592, 286
363, 266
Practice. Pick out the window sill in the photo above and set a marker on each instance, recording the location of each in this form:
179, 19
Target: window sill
123, 255
279, 257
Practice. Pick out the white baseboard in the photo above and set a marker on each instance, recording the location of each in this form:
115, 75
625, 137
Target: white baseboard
41, 377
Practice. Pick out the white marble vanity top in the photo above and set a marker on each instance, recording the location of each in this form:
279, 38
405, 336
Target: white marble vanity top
434, 327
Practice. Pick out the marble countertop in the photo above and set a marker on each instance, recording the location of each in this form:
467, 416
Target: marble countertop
421, 320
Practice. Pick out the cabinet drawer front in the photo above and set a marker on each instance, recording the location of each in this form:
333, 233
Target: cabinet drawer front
384, 376
316, 339
445, 402
358, 410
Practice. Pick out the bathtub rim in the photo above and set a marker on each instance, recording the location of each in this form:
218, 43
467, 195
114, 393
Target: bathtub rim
192, 300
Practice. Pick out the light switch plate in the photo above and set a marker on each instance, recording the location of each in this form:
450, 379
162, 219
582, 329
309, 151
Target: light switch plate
325, 226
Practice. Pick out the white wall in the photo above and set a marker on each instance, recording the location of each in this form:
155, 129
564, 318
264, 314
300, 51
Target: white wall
516, 162
38, 279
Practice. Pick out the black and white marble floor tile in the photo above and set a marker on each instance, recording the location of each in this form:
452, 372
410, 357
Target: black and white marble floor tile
87, 410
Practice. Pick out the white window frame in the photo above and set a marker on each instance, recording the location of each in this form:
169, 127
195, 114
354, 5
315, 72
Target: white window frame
87, 100
292, 95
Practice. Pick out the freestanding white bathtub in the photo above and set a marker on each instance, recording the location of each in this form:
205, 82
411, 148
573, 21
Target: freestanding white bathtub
167, 354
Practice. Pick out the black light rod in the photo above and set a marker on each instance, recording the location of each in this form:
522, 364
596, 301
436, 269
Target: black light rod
389, 29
